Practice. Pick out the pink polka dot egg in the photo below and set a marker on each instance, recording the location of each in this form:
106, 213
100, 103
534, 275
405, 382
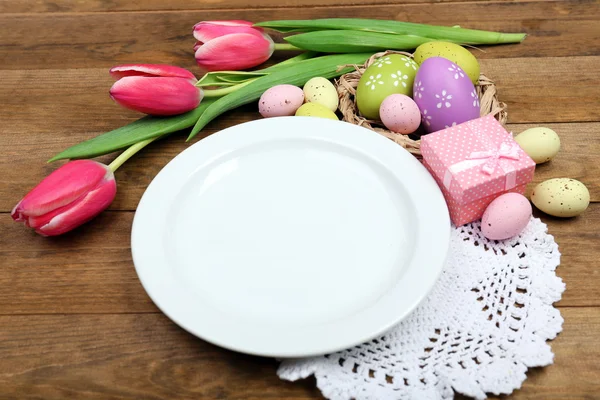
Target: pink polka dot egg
400, 114
506, 216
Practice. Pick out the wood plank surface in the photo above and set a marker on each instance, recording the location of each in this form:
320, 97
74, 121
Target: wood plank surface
75, 321
88, 40
145, 356
63, 6
90, 270
23, 169
128, 356
52, 120
69, 102
87, 271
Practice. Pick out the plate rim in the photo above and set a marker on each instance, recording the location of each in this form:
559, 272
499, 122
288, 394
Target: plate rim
351, 131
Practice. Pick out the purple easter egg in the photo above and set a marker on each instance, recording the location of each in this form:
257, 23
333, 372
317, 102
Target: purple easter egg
445, 94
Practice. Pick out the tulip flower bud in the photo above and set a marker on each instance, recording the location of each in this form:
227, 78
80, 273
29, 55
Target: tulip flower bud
67, 198
230, 45
155, 89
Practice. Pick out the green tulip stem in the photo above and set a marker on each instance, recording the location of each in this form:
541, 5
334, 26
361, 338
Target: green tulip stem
223, 91
285, 46
127, 154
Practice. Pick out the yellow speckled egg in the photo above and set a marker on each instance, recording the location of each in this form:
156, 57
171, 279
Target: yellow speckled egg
541, 144
315, 110
466, 62
561, 197
321, 90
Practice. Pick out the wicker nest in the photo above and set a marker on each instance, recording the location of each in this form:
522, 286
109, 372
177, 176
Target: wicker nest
346, 87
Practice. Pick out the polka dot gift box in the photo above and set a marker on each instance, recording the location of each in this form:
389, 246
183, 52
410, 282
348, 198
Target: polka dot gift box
473, 163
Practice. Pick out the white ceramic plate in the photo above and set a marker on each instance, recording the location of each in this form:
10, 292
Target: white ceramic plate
290, 236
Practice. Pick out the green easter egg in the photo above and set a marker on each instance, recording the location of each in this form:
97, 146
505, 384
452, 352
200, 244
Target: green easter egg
450, 51
391, 74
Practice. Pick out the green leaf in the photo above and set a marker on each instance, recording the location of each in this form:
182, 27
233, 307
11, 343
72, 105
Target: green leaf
209, 79
218, 84
142, 129
240, 79
300, 57
295, 74
223, 78
230, 78
341, 41
284, 29
457, 35
151, 127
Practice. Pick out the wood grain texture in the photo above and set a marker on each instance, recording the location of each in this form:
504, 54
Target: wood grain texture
86, 271
63, 6
546, 89
148, 357
75, 321
126, 356
56, 103
89, 40
66, 109
90, 270
24, 168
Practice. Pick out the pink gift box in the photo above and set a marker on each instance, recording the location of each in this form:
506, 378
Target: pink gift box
473, 163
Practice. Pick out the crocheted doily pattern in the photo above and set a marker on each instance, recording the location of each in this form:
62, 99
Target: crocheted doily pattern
484, 324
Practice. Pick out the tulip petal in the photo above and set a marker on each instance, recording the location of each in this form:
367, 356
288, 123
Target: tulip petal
38, 221
234, 52
156, 96
60, 188
156, 70
227, 22
206, 31
80, 211
16, 213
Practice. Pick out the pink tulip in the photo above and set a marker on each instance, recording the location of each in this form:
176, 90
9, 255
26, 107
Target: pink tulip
67, 198
230, 45
155, 89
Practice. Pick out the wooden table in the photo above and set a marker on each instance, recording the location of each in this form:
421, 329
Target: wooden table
74, 319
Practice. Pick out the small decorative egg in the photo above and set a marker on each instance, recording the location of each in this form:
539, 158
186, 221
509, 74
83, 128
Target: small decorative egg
280, 100
444, 96
315, 110
541, 144
391, 74
464, 61
321, 90
400, 114
561, 197
506, 216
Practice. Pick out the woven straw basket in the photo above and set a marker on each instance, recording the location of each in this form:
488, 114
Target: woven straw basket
346, 87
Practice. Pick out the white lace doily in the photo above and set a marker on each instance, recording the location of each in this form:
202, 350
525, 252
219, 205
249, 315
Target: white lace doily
486, 321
